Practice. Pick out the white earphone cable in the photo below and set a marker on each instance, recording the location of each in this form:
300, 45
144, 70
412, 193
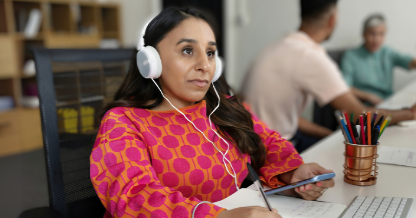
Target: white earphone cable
209, 118
219, 136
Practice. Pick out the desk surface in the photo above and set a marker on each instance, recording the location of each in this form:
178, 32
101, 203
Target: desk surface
406, 97
392, 180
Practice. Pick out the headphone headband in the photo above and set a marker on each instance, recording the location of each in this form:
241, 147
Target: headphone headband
150, 65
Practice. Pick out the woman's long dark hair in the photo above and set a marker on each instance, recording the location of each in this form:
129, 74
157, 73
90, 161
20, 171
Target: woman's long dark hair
230, 118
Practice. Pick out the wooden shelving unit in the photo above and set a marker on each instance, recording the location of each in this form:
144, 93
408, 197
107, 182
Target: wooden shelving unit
64, 24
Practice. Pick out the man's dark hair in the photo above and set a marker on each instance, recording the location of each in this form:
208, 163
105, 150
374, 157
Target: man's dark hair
314, 9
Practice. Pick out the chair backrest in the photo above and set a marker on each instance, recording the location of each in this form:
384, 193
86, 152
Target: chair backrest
74, 85
324, 116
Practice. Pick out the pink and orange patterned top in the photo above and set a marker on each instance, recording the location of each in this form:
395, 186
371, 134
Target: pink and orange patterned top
156, 164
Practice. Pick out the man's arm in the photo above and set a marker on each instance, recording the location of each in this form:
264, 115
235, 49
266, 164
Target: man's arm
366, 96
313, 129
350, 103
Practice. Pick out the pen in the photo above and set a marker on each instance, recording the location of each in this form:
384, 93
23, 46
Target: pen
378, 128
355, 133
374, 132
256, 181
380, 121
374, 119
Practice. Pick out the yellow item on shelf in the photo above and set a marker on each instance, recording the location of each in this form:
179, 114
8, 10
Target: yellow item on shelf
68, 120
87, 118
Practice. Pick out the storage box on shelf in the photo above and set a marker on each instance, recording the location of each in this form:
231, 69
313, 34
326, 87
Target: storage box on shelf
63, 24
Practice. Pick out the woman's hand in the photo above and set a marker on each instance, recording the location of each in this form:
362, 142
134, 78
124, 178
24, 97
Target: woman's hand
311, 191
248, 212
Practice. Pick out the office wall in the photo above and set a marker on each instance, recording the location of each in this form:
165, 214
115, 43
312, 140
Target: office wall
269, 20
134, 14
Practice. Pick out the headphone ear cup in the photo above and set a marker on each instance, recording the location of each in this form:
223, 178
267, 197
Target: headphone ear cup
218, 68
149, 63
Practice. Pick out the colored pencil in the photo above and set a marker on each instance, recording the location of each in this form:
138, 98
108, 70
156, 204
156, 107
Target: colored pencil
362, 130
385, 124
349, 127
352, 117
369, 128
345, 129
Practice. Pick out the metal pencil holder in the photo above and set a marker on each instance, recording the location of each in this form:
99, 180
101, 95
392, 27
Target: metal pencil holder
360, 166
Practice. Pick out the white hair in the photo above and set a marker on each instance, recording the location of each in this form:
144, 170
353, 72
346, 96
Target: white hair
373, 21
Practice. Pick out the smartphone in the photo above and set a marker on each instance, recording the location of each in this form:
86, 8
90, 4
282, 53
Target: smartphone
303, 182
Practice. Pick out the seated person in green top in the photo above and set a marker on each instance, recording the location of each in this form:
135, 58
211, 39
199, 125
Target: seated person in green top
368, 69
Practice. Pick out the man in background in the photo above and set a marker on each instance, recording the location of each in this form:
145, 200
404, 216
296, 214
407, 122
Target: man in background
368, 69
291, 70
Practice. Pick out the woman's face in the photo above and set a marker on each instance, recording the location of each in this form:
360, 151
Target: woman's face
188, 61
374, 37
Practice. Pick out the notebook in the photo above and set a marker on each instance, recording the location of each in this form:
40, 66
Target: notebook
287, 207
398, 156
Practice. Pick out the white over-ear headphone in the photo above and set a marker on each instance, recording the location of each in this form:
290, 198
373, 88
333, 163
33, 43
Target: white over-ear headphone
150, 65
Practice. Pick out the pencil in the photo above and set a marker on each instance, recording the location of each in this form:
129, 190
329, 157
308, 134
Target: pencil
385, 124
345, 129
352, 117
349, 127
369, 128
362, 130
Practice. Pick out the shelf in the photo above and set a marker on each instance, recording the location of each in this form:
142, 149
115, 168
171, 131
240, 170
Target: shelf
20, 127
60, 18
3, 21
88, 22
109, 19
21, 11
21, 36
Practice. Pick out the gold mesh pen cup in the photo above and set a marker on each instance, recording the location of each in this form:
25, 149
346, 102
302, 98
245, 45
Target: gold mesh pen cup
360, 166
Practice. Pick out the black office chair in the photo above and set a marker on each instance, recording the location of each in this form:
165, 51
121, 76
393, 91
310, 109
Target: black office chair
324, 116
74, 85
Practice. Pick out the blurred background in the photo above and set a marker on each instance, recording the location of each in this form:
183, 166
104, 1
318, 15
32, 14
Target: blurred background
243, 28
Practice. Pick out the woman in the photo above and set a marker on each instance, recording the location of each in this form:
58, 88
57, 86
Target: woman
150, 161
368, 69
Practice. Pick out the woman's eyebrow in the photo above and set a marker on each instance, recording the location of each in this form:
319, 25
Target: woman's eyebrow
187, 40
193, 41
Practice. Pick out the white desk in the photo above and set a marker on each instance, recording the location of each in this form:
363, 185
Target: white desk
392, 180
406, 97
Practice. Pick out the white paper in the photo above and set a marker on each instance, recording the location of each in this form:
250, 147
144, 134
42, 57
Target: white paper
287, 207
398, 156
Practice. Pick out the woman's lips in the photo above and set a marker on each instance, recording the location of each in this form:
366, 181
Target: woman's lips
201, 83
